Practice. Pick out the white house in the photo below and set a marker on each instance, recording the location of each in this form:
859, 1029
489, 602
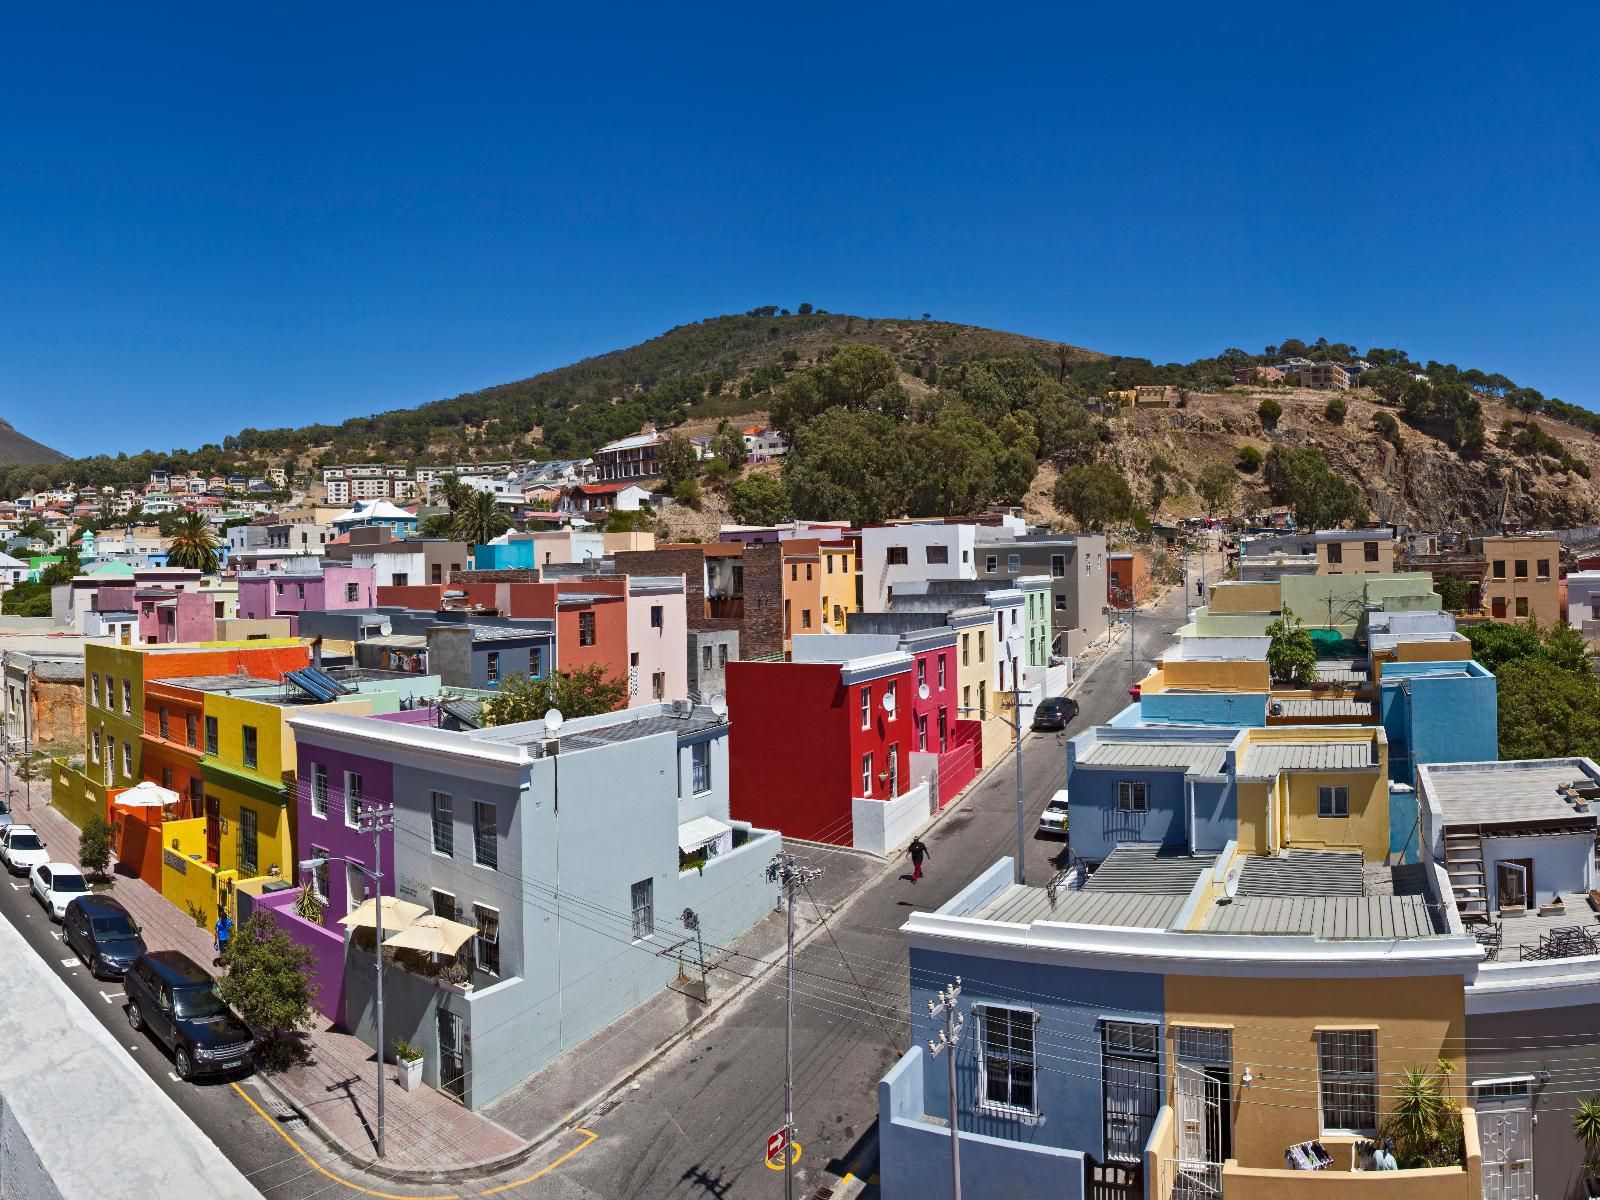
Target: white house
892, 554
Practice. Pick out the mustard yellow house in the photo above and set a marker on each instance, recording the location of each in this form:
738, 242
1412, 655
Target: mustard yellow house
1314, 788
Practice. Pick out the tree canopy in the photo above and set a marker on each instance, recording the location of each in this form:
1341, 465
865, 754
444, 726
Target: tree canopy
583, 692
1094, 496
1318, 498
1291, 654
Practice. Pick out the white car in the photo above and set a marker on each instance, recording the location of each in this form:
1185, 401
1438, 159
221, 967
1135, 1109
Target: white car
1053, 820
55, 885
22, 849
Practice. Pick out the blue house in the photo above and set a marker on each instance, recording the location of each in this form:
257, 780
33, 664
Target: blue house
379, 513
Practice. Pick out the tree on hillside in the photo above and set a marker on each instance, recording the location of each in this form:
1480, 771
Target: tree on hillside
192, 546
1291, 654
1318, 498
759, 500
1094, 496
1547, 712
479, 519
1335, 410
677, 460
728, 445
1453, 592
847, 466
1496, 643
857, 377
1215, 486
584, 692
1269, 411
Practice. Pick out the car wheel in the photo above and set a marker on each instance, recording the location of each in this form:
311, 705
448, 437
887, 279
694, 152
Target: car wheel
135, 1017
182, 1063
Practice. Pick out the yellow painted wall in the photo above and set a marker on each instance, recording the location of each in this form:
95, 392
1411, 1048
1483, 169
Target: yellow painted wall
1236, 596
1254, 795
1432, 651
192, 886
1418, 1020
839, 588
1367, 826
1354, 558
74, 795
273, 841
1218, 676
801, 594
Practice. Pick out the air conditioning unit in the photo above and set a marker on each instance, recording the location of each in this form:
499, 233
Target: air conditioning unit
682, 708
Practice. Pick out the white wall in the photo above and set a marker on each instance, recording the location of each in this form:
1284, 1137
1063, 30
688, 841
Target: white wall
883, 826
1561, 862
1581, 587
878, 578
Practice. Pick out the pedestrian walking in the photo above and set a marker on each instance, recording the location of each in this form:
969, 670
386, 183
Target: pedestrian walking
224, 931
918, 852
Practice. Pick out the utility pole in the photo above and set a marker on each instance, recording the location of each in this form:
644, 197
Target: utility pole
947, 1040
794, 875
377, 818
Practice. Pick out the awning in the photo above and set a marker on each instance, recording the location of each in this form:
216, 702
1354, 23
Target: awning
397, 914
146, 794
433, 934
701, 831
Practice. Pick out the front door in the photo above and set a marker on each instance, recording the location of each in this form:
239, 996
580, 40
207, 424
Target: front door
1512, 884
452, 1055
1505, 1132
1130, 1087
213, 830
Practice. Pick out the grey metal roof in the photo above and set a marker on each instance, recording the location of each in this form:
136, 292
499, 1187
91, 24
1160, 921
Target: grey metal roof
58, 672
1303, 873
1325, 916
1507, 793
1200, 758
1145, 869
699, 721
1021, 905
1341, 706
1263, 760
504, 633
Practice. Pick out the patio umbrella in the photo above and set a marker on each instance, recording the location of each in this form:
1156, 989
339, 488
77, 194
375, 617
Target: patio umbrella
397, 914
433, 934
146, 794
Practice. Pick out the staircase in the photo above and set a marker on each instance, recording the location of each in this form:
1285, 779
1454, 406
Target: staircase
1463, 862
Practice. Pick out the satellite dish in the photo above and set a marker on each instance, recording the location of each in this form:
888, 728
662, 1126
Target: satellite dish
386, 627
719, 707
922, 692
888, 702
553, 721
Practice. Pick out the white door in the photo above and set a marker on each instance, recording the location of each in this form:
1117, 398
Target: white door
1505, 1132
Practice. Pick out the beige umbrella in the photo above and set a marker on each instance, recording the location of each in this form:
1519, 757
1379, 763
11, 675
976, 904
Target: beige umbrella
433, 934
397, 914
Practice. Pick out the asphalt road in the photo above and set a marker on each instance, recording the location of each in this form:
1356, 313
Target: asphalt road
697, 1123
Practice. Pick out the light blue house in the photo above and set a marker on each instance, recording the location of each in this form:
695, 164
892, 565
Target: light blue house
378, 513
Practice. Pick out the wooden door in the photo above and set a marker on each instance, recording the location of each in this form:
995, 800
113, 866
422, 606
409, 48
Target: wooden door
213, 830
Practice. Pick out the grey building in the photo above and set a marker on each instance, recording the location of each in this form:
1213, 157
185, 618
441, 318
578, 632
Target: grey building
466, 650
710, 652
574, 855
1076, 565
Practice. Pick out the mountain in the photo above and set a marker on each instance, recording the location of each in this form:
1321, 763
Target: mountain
19, 449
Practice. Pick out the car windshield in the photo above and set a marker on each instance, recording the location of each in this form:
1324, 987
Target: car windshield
1051, 706
114, 929
1057, 806
201, 1001
24, 841
64, 882
4, 808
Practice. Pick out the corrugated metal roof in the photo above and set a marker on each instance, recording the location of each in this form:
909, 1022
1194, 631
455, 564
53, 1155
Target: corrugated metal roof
1303, 873
1325, 916
1332, 707
1507, 793
1200, 758
1144, 868
1263, 760
1022, 905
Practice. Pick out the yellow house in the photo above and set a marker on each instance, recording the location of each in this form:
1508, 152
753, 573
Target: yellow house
1310, 788
838, 585
1355, 552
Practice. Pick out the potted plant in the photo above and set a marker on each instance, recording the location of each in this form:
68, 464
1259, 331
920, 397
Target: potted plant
410, 1059
1586, 1124
308, 905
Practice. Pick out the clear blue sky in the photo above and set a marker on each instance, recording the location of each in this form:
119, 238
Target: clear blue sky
213, 217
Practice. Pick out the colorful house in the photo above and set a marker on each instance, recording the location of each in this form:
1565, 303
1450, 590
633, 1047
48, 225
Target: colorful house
325, 587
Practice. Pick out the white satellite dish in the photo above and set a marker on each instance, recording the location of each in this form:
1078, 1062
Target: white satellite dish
385, 627
719, 706
553, 721
922, 691
888, 702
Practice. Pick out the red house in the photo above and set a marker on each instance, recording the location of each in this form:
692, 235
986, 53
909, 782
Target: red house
821, 750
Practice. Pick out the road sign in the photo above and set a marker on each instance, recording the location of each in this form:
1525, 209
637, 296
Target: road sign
777, 1143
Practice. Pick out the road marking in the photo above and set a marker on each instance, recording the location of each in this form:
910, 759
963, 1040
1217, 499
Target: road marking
173, 1077
108, 997
778, 1165
589, 1135
70, 963
19, 887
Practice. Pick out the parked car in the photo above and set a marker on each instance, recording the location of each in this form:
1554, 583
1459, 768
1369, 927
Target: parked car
55, 885
174, 997
1054, 712
22, 849
1053, 820
103, 934
5, 813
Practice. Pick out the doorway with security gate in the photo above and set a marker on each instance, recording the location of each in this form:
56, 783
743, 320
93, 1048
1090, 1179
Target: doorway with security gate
1505, 1136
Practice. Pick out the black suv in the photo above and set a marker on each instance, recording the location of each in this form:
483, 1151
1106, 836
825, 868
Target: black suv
103, 934
1055, 712
173, 996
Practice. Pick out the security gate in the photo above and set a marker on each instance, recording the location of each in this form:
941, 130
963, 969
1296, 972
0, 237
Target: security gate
1505, 1132
1203, 1059
1130, 1087
452, 1056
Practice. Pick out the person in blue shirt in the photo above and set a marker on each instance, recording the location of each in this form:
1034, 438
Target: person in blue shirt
224, 932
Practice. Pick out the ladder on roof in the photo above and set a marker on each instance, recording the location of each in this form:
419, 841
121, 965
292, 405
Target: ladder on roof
1463, 863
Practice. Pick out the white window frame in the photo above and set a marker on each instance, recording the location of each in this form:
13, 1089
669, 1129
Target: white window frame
893, 691
352, 812
477, 845
700, 768
866, 774
1344, 1046
642, 903
866, 706
127, 760
479, 941
319, 875
319, 790
1333, 801
449, 850
1133, 796
983, 1102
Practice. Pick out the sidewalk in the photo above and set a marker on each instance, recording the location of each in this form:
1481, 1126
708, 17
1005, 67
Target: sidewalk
428, 1135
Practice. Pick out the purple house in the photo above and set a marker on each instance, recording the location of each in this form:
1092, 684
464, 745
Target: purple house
265, 594
332, 783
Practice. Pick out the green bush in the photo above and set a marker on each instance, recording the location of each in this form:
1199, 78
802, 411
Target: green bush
1335, 411
1269, 411
94, 846
1249, 460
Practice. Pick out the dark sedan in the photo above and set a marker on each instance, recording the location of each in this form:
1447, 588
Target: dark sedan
103, 934
1055, 713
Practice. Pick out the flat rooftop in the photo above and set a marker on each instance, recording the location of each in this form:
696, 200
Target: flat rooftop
1508, 793
1195, 757
1326, 894
1333, 706
1263, 760
602, 733
1022, 905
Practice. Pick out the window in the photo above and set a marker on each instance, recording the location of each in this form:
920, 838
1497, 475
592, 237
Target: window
981, 633
644, 909
1335, 552
722, 654
127, 696
485, 849
352, 799
1006, 1058
437, 570
805, 618
866, 774
897, 556
1333, 802
966, 647
1522, 568
991, 563
94, 689
319, 873
829, 561
248, 734
444, 904
1499, 568
352, 593
838, 614
189, 723
127, 759
983, 700
1522, 606
922, 731
161, 722
938, 554
486, 946
705, 658
941, 672
866, 708
400, 579
966, 697
1058, 566
249, 861
1133, 797
211, 735
1348, 1078
1061, 602
586, 629
319, 790
794, 572
658, 616
443, 821
658, 685
894, 699
922, 673
277, 589
1369, 551
1542, 568
700, 764
94, 747
493, 670
808, 572
1014, 563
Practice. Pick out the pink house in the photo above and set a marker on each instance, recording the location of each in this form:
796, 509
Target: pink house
180, 617
265, 594
658, 640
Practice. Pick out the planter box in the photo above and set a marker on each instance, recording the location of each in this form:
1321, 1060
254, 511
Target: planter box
1513, 910
410, 1073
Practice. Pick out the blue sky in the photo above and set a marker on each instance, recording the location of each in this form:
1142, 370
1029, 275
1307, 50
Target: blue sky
214, 216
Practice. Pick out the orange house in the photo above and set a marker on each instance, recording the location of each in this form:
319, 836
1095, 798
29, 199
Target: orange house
174, 729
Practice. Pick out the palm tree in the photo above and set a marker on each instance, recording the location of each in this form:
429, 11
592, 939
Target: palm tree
478, 520
192, 545
453, 492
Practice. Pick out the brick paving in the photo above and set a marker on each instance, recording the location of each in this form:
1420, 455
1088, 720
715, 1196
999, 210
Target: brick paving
425, 1130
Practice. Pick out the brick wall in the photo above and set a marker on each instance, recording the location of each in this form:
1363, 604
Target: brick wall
760, 629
